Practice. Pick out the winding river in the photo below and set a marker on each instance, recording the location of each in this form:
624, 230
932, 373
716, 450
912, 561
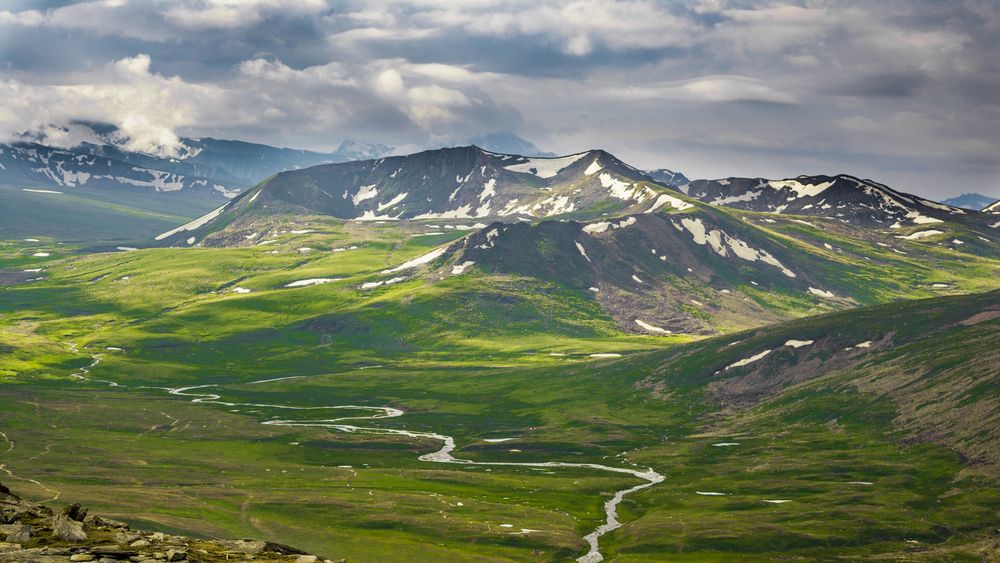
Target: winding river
197, 394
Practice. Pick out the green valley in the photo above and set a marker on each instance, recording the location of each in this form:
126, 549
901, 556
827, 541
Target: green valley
832, 444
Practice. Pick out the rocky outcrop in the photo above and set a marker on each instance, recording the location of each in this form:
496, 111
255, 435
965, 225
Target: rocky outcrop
33, 533
68, 524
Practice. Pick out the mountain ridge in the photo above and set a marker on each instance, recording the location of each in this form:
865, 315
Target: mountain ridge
82, 155
840, 197
453, 184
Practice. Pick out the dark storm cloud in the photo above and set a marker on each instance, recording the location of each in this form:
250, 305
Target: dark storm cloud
903, 91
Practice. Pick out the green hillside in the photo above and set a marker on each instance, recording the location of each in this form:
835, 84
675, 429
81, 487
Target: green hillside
91, 216
495, 355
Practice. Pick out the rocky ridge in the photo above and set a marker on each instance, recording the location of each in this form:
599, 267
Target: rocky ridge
32, 532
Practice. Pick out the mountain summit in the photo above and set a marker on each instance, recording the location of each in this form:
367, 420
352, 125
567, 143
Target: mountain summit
973, 201
842, 197
453, 183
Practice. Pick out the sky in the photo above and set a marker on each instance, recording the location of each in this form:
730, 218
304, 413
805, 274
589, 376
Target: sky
906, 92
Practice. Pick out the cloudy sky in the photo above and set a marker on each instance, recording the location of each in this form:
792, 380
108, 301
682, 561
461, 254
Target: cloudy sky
906, 92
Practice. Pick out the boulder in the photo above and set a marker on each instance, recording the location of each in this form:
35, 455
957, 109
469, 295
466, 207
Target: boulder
109, 523
249, 547
15, 533
68, 524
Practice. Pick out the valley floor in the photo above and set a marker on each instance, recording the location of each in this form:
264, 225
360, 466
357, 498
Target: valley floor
836, 466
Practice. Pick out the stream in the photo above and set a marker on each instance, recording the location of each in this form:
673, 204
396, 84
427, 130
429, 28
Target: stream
196, 394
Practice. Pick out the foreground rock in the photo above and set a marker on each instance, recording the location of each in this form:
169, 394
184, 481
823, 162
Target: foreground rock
34, 533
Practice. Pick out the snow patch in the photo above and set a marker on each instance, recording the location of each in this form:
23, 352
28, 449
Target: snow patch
462, 212
419, 261
747, 196
701, 235
545, 167
364, 192
651, 328
371, 285
822, 293
371, 216
602, 226
461, 268
747, 252
799, 343
675, 202
583, 252
616, 187
921, 234
194, 224
392, 202
919, 219
800, 189
750, 360
489, 189
312, 281
39, 191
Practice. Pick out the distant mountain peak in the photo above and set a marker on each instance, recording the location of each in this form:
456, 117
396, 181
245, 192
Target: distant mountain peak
667, 177
508, 143
75, 133
353, 149
973, 201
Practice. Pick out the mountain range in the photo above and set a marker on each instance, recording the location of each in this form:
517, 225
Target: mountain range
696, 258
86, 155
800, 367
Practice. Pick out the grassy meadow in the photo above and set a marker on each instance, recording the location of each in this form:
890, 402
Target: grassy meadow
849, 440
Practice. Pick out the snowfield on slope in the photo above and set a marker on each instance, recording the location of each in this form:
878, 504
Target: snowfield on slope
545, 167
